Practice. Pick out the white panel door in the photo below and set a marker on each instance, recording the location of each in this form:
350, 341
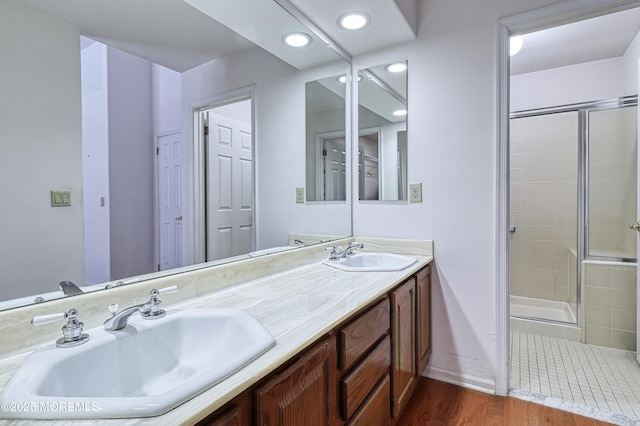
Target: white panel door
229, 187
335, 169
169, 201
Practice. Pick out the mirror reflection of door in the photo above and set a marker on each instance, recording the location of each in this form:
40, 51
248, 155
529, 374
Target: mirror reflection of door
228, 180
369, 164
334, 169
169, 166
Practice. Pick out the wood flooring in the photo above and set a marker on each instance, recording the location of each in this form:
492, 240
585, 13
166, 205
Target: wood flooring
438, 403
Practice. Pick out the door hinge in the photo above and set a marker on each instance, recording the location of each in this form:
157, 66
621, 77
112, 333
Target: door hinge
158, 267
157, 150
206, 130
324, 152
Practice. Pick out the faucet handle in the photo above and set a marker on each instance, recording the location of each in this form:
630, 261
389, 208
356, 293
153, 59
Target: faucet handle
72, 330
47, 319
334, 252
152, 308
113, 308
166, 290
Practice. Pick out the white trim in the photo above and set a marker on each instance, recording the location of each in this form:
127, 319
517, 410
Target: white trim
502, 200
463, 380
558, 14
198, 217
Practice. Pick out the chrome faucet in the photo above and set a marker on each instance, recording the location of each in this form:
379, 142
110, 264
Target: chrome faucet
148, 310
69, 288
72, 334
349, 251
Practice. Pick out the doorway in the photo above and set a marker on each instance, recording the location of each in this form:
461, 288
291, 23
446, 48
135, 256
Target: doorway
511, 350
228, 183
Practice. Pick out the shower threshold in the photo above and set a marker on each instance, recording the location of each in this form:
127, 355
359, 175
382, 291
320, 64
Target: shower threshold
551, 310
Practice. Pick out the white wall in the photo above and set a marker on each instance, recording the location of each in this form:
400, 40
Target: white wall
452, 151
630, 67
131, 165
40, 151
280, 142
590, 81
167, 97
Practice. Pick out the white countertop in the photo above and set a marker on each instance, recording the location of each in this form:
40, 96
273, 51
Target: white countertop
297, 307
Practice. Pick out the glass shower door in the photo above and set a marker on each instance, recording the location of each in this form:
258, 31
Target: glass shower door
610, 248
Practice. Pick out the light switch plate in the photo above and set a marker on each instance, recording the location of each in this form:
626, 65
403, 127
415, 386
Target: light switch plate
60, 198
415, 192
299, 195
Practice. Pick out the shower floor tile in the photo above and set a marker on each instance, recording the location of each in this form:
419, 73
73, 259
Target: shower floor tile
595, 381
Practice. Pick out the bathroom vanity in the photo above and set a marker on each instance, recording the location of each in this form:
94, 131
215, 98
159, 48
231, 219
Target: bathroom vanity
363, 372
349, 345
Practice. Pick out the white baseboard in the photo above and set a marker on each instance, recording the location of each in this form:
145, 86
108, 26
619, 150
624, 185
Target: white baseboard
463, 380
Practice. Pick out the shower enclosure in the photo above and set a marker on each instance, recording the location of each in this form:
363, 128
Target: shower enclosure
573, 196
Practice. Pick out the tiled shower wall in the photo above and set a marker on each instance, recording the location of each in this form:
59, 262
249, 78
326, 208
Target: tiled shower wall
610, 305
544, 171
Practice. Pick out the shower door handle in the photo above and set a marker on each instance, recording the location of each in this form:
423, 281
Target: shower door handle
635, 226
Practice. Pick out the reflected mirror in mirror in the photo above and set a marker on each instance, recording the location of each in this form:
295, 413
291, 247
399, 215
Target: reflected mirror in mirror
326, 139
382, 144
83, 197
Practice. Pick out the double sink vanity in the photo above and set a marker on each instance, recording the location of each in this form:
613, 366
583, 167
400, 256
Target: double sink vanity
289, 338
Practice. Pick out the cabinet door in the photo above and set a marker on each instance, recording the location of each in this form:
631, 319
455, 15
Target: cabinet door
303, 394
238, 412
403, 308
423, 318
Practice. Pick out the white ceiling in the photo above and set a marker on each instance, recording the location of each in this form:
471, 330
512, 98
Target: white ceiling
182, 34
594, 39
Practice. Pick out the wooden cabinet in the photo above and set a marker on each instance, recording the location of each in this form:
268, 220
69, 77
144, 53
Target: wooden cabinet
364, 353
423, 318
362, 373
404, 368
303, 394
238, 412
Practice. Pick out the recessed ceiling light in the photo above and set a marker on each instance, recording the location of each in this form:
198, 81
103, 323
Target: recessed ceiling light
397, 67
353, 20
400, 112
296, 39
515, 44
343, 78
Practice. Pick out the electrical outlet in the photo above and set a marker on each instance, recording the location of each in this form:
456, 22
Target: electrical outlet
415, 192
299, 195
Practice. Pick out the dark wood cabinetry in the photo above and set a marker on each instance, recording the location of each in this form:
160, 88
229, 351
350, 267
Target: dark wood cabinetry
423, 318
404, 369
304, 394
362, 373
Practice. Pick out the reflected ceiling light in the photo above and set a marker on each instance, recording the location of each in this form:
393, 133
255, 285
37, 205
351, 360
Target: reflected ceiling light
353, 20
296, 39
397, 67
515, 44
400, 112
343, 78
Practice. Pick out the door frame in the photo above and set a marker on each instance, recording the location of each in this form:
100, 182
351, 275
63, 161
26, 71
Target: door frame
198, 215
546, 17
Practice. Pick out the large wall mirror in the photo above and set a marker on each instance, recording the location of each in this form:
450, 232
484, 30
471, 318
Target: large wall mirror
382, 130
107, 172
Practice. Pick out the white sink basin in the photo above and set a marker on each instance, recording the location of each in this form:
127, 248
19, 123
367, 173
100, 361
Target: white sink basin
372, 262
146, 369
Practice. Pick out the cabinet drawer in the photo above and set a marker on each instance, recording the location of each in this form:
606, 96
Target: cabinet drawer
358, 384
376, 411
356, 338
